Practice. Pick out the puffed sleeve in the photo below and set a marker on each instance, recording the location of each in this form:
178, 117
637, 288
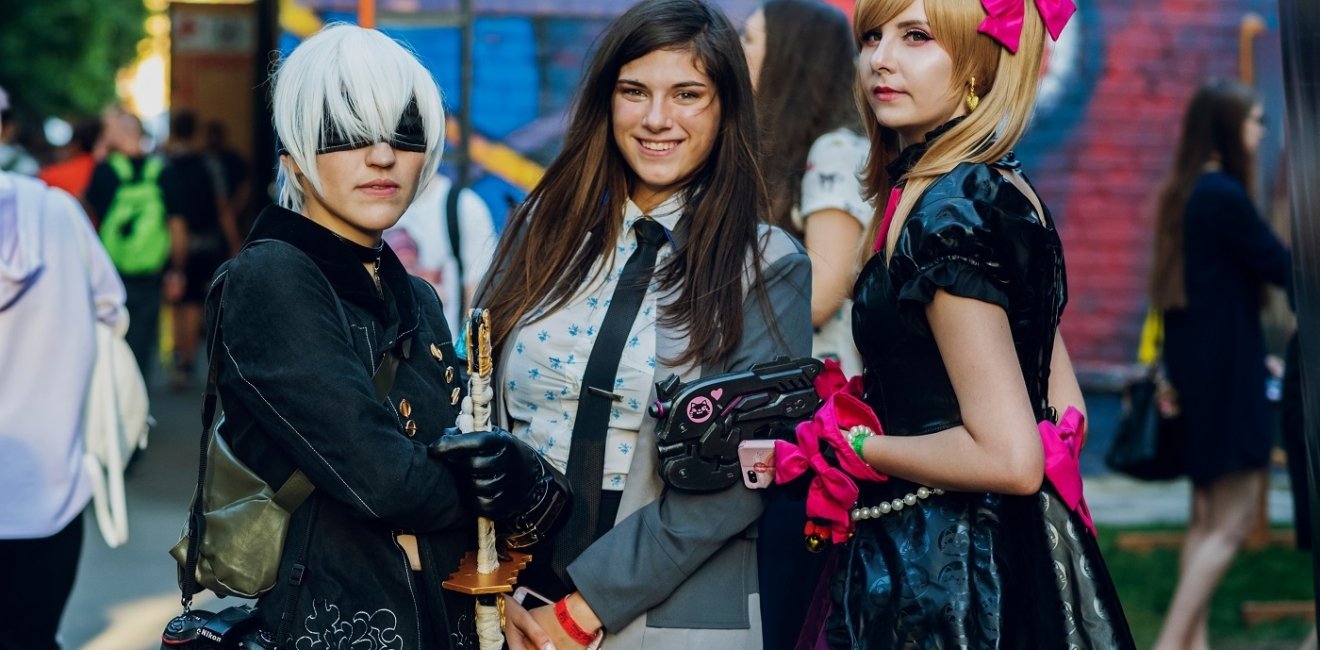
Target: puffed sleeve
950, 244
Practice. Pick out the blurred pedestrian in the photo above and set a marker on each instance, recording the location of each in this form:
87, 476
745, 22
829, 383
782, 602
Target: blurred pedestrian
231, 166
55, 282
812, 155
1213, 255
74, 173
813, 152
453, 250
143, 238
194, 189
13, 157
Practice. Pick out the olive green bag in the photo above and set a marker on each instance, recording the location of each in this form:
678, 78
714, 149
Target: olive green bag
240, 522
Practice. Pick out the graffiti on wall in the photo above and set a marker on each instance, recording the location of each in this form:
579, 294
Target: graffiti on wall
1112, 94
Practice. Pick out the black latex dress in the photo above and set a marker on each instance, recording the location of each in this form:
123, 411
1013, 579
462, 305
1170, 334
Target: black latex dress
965, 570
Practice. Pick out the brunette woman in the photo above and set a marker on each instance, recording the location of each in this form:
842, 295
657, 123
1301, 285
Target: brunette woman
659, 166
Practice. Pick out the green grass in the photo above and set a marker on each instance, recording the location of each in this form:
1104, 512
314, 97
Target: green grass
1145, 584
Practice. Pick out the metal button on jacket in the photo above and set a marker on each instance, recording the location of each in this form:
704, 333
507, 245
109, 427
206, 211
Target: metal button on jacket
405, 408
435, 352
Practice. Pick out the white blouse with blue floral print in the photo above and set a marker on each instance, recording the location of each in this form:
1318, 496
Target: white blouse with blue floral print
544, 374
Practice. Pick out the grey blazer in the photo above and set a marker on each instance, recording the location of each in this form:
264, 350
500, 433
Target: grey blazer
679, 570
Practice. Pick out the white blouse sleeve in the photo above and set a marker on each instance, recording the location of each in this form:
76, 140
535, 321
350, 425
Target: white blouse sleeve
833, 177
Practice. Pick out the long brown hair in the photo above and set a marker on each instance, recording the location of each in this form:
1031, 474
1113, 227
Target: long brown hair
1212, 131
1006, 82
804, 90
543, 256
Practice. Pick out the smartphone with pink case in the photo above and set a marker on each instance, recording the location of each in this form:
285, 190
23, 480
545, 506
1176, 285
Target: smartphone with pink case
757, 459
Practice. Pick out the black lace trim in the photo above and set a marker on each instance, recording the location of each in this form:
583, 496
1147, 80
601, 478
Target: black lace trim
909, 156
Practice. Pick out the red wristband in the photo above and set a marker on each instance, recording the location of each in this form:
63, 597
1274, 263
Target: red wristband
571, 626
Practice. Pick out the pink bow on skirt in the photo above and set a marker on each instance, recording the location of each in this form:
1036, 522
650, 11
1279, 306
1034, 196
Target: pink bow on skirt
833, 490
1063, 449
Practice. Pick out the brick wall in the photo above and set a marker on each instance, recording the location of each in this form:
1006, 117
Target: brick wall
1099, 150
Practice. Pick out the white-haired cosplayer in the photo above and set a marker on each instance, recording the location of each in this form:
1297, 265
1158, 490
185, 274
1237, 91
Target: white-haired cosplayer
331, 360
331, 96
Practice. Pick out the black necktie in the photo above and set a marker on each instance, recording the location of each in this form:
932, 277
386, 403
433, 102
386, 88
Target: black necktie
586, 455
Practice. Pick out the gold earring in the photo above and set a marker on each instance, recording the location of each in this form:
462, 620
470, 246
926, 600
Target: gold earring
972, 100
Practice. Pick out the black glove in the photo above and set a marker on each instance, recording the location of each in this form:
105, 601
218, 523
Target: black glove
498, 474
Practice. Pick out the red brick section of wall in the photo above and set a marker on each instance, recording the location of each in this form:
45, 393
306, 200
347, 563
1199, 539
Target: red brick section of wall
1103, 181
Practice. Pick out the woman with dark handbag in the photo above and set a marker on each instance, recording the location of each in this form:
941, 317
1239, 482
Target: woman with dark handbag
1213, 256
1151, 441
968, 529
639, 255
310, 311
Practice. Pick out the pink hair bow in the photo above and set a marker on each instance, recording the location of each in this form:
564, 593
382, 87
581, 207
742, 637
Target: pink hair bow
833, 490
1062, 443
1004, 22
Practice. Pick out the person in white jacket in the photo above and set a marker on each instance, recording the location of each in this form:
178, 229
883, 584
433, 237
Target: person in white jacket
56, 281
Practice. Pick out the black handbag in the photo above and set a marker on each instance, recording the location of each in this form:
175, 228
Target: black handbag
1151, 443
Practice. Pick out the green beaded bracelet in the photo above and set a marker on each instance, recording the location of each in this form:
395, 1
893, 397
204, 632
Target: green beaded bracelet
858, 436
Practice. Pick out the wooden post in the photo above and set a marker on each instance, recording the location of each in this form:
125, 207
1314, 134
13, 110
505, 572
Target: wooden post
367, 13
1299, 22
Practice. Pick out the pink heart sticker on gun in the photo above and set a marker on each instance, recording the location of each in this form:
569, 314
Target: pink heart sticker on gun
717, 393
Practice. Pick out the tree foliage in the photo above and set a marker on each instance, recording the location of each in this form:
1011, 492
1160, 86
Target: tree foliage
60, 57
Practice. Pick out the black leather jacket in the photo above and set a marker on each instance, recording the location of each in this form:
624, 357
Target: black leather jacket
303, 331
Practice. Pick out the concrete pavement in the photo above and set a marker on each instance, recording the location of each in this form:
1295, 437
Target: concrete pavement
123, 597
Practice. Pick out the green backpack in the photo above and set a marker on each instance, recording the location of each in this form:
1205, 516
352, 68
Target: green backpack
134, 229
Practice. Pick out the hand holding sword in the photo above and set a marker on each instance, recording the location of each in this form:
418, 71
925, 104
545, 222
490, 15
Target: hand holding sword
503, 479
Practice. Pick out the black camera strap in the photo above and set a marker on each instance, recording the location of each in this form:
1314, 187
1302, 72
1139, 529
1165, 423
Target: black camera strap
456, 240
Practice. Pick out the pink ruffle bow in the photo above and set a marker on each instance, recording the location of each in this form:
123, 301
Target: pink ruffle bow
833, 490
831, 380
1004, 22
1063, 448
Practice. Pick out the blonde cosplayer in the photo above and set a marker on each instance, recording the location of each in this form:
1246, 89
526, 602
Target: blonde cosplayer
1005, 84
347, 86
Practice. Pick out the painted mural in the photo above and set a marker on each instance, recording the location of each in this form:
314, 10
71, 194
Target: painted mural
1112, 95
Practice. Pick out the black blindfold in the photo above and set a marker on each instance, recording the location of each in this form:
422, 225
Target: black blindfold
409, 135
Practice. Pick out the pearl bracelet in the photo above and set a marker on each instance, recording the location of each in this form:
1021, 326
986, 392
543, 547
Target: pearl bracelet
886, 507
857, 437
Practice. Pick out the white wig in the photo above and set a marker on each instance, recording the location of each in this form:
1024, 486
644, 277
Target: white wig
356, 82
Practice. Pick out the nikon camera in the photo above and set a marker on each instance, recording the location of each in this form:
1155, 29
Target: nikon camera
232, 628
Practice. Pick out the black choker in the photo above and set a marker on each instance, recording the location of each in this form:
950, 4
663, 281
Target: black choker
911, 155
